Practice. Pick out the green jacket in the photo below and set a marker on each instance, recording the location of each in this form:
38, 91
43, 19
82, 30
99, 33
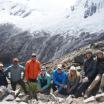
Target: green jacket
44, 82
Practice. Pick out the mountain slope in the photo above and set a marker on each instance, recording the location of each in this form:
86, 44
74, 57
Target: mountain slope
26, 29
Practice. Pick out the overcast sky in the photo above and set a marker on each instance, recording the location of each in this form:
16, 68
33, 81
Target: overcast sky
51, 5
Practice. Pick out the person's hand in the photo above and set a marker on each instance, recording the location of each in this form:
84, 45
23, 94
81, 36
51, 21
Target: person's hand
65, 86
98, 77
39, 90
85, 80
62, 85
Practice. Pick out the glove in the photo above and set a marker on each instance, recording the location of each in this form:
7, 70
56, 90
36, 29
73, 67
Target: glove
85, 80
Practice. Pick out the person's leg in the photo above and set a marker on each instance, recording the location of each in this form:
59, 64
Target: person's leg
102, 83
22, 83
13, 85
81, 89
53, 86
93, 85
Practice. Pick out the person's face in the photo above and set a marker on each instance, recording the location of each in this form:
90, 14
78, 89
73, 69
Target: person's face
88, 55
59, 70
33, 58
43, 72
72, 72
99, 55
15, 62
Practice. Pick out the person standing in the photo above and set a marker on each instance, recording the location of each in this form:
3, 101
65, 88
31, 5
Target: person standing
32, 69
15, 74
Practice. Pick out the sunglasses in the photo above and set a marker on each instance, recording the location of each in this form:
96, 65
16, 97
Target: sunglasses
33, 56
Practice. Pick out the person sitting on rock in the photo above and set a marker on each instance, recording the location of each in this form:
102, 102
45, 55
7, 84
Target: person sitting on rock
73, 79
3, 80
59, 80
99, 79
15, 74
44, 81
88, 75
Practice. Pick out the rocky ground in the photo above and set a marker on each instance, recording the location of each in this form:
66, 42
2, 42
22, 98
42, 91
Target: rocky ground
51, 99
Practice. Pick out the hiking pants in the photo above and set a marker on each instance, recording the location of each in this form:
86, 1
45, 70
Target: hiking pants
21, 83
102, 82
82, 88
93, 85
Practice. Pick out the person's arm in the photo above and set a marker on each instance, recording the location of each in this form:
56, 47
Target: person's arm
48, 83
39, 83
64, 78
7, 71
39, 66
55, 79
76, 83
27, 71
93, 70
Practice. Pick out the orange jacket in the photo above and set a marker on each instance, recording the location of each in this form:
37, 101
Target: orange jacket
32, 69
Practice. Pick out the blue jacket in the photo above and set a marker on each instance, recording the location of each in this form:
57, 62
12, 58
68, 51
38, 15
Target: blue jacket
59, 78
3, 81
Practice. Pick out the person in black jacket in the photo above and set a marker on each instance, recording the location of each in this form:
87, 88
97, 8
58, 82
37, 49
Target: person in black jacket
99, 79
89, 74
3, 81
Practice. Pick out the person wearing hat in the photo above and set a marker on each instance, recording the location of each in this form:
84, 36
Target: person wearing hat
89, 73
59, 80
15, 73
99, 79
44, 81
73, 78
32, 68
3, 80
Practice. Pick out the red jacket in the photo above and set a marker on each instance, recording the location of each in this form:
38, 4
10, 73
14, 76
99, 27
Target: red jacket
32, 69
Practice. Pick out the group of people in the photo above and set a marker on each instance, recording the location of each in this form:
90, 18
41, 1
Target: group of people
60, 81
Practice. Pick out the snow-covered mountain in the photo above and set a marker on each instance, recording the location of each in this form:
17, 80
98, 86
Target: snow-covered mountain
51, 28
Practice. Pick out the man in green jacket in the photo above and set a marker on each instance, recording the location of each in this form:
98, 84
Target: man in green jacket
44, 81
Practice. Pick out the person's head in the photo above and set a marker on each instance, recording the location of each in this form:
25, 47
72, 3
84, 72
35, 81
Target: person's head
33, 56
15, 61
99, 54
43, 70
88, 54
1, 66
63, 66
59, 68
72, 70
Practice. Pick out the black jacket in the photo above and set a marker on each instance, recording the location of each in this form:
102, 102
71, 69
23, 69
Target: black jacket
90, 68
100, 66
3, 81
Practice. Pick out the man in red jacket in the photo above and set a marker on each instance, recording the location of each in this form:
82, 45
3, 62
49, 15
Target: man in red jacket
32, 68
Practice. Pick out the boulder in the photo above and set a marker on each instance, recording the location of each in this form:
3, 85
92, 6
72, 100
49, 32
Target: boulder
3, 92
79, 59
